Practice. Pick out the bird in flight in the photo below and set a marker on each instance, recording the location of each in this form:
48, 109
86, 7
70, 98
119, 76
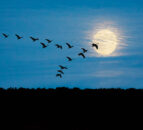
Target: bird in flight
62, 67
5, 35
18, 37
84, 50
69, 58
43, 45
60, 71
49, 41
81, 54
95, 45
69, 46
59, 75
59, 46
34, 39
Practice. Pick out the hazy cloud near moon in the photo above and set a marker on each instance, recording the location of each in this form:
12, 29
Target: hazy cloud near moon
108, 73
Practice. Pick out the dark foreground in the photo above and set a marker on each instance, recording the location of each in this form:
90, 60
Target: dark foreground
70, 109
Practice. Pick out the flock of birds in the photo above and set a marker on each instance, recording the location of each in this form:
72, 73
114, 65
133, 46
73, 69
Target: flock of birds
60, 72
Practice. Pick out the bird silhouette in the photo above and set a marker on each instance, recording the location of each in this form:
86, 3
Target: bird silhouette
59, 46
69, 46
5, 35
84, 50
18, 37
43, 45
34, 39
49, 41
69, 58
95, 45
60, 71
81, 54
62, 67
59, 75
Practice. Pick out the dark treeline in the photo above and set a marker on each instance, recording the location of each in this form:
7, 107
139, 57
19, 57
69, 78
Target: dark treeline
44, 112
63, 91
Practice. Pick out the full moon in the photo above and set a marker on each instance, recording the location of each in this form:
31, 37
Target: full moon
107, 42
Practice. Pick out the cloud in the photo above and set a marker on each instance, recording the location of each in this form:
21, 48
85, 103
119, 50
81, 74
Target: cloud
108, 73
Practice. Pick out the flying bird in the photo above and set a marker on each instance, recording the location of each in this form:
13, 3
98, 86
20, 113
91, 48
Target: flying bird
34, 39
81, 54
84, 50
59, 46
49, 41
5, 35
69, 59
43, 45
95, 45
59, 75
60, 71
69, 46
18, 37
62, 67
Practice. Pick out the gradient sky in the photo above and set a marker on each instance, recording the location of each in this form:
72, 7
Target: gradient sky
25, 64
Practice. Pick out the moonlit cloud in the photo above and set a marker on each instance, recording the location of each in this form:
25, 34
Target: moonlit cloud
108, 73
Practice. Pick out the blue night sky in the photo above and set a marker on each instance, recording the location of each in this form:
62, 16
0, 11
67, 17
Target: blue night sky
24, 63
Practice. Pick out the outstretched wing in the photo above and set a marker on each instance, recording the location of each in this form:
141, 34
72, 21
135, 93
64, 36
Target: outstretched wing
68, 45
5, 35
43, 45
18, 37
70, 59
81, 54
95, 45
84, 50
57, 45
49, 41
32, 38
61, 71
61, 66
59, 75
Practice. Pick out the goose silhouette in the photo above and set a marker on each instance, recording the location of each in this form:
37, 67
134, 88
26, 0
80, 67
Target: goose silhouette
34, 39
59, 75
60, 71
69, 58
43, 45
62, 67
59, 46
81, 54
84, 50
18, 37
5, 35
69, 46
49, 41
95, 45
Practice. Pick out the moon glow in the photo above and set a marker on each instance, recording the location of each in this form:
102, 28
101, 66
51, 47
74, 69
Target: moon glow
107, 42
